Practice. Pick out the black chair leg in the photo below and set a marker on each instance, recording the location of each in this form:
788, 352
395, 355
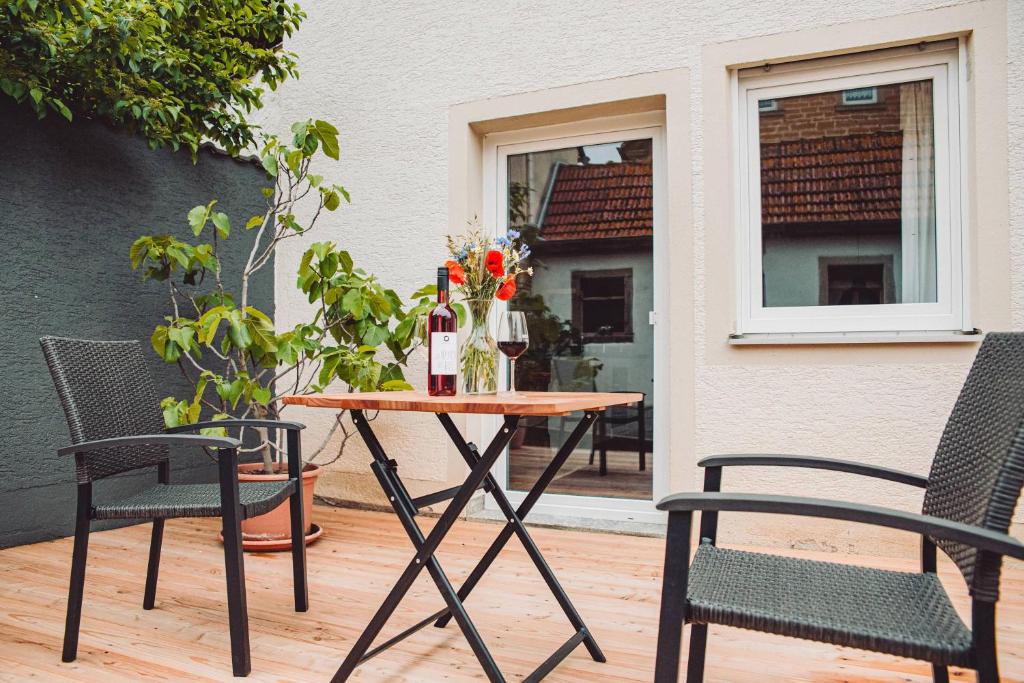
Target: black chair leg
593, 443
77, 587
602, 435
940, 674
641, 430
155, 543
298, 529
673, 597
238, 613
695, 660
983, 627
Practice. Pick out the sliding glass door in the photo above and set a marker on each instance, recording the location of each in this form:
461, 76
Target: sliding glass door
586, 207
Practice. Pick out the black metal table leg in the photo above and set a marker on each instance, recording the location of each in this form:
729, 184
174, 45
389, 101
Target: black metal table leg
425, 547
515, 525
524, 508
406, 507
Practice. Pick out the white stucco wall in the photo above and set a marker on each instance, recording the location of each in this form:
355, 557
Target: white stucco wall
387, 78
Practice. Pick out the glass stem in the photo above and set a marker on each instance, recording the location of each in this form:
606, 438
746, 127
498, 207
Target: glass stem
512, 377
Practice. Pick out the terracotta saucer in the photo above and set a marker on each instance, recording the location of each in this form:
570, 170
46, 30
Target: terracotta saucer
277, 544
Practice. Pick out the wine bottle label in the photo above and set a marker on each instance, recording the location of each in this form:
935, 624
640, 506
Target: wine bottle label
444, 353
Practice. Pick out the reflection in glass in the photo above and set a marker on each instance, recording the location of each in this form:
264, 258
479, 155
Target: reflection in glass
587, 215
848, 197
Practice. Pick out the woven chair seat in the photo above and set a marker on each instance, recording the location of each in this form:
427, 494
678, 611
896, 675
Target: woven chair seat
897, 613
194, 500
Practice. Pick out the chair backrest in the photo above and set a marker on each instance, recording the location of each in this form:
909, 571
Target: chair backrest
978, 470
106, 391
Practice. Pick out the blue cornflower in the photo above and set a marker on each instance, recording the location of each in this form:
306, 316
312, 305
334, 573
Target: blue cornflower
513, 234
502, 241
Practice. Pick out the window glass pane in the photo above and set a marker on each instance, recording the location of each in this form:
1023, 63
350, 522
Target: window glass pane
604, 317
602, 287
587, 214
848, 197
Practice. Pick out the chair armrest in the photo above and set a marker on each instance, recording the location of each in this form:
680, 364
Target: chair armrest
243, 422
152, 440
774, 460
936, 527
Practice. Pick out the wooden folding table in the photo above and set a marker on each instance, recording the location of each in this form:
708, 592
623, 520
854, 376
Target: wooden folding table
512, 408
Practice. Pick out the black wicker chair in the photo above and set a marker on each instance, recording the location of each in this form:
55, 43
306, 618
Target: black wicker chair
115, 423
969, 499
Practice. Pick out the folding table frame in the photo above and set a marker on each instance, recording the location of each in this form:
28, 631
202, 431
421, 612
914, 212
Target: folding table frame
406, 507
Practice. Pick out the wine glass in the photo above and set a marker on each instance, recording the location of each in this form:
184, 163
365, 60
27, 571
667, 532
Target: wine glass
513, 340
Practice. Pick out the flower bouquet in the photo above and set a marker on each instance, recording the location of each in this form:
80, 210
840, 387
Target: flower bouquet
483, 269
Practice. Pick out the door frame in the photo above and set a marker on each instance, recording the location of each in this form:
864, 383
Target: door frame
496, 149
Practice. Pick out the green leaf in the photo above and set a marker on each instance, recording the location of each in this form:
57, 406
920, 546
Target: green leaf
36, 94
231, 392
261, 395
254, 222
325, 129
345, 260
331, 200
293, 159
222, 223
137, 252
260, 315
425, 290
269, 163
396, 385
330, 144
216, 431
197, 219
460, 312
261, 337
61, 108
353, 303
375, 335
238, 332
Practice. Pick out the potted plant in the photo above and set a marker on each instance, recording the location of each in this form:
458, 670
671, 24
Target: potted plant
235, 359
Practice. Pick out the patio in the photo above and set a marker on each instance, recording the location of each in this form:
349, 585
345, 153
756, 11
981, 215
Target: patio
766, 263
614, 579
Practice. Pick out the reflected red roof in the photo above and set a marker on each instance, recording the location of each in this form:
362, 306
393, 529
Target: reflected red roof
832, 179
599, 202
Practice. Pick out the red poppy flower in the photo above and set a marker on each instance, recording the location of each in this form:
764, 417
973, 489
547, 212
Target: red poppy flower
507, 289
455, 272
495, 263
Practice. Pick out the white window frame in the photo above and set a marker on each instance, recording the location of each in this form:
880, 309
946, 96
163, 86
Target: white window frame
949, 313
497, 147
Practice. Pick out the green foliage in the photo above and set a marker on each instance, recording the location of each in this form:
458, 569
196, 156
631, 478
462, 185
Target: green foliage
359, 332
177, 71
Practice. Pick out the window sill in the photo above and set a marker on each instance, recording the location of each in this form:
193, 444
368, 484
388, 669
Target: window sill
806, 338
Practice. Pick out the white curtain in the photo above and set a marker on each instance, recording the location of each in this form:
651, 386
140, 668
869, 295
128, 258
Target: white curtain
918, 196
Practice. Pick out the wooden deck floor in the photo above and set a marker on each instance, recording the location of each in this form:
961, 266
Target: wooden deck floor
614, 581
578, 477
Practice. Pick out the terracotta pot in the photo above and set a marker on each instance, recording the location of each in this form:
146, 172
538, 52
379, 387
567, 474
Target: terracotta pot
272, 530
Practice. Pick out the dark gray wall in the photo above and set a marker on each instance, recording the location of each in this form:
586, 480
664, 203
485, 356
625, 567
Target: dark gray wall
73, 197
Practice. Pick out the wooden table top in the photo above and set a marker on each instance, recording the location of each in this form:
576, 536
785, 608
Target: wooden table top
541, 403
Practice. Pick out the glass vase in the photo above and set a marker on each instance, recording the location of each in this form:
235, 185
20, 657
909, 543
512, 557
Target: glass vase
479, 354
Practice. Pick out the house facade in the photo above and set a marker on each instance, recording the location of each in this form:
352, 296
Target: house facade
790, 225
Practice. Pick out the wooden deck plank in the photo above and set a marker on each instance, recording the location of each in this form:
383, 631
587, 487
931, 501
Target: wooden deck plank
533, 403
614, 580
